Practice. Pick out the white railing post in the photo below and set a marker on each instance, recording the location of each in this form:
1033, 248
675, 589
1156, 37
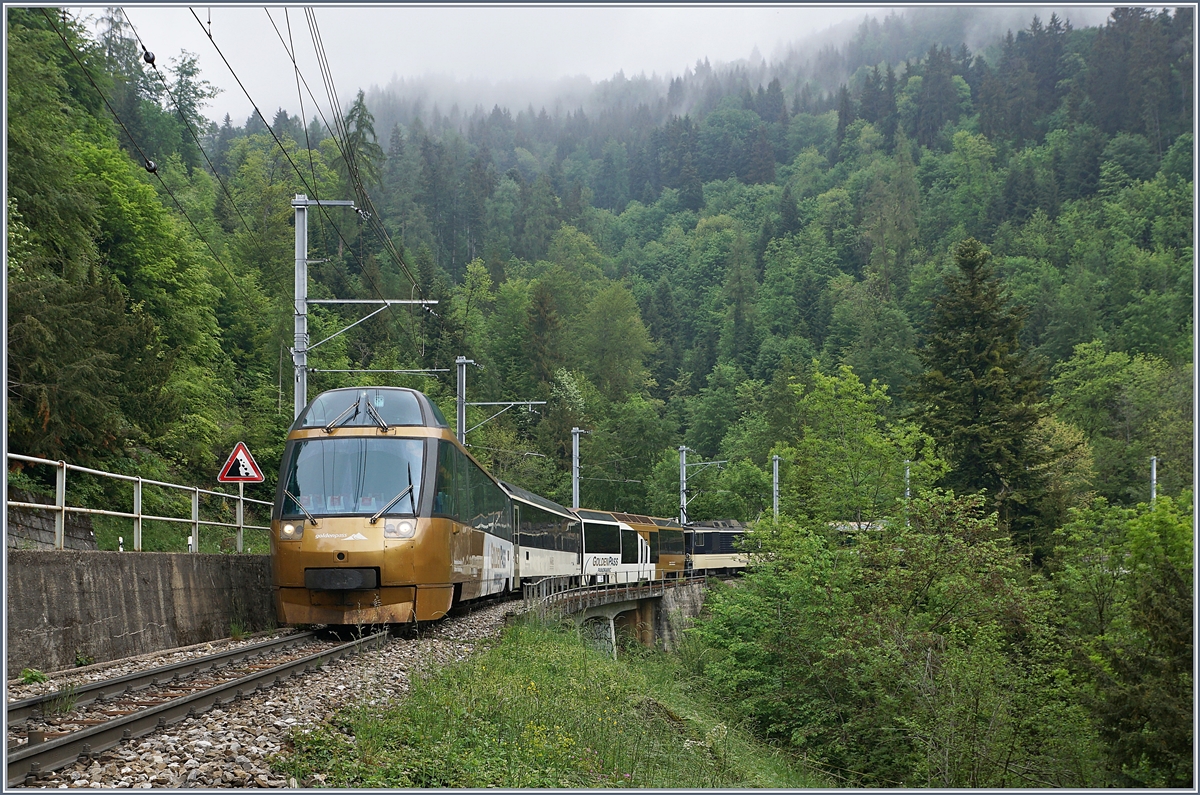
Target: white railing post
137, 515
195, 545
60, 500
240, 513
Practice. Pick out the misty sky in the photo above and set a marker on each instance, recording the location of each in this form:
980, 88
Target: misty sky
372, 44
369, 45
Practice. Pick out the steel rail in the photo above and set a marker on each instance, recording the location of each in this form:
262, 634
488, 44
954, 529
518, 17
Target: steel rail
139, 680
26, 762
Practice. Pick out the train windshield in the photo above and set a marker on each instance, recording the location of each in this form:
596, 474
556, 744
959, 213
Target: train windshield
363, 407
353, 476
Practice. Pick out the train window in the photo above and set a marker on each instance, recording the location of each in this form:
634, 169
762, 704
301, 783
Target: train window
348, 407
465, 493
445, 496
360, 475
599, 537
537, 527
671, 542
396, 407
629, 546
654, 546
438, 415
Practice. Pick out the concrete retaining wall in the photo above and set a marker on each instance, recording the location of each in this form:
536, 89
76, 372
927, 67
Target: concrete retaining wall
65, 606
29, 528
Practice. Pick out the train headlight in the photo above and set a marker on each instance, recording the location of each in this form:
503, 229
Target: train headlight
405, 528
291, 532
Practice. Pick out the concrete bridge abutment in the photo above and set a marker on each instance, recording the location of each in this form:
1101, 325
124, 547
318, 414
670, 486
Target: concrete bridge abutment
656, 621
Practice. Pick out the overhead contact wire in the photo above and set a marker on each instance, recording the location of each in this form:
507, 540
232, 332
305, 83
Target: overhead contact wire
286, 155
291, 51
146, 159
278, 143
339, 135
187, 122
347, 152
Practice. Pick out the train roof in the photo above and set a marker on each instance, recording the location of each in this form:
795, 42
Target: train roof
596, 516
366, 406
633, 518
724, 525
516, 492
627, 518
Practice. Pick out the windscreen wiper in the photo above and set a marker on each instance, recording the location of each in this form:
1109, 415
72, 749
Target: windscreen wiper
339, 419
374, 415
388, 507
411, 499
296, 500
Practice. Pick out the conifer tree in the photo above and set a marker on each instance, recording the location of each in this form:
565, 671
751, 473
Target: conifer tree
846, 117
980, 395
762, 159
691, 190
789, 214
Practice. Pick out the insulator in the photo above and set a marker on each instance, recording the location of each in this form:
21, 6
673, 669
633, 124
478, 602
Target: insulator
148, 57
152, 167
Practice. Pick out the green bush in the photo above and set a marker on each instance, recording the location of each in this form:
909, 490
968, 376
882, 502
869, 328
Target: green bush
922, 655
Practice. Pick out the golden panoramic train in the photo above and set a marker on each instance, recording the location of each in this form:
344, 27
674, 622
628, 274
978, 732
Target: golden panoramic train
381, 517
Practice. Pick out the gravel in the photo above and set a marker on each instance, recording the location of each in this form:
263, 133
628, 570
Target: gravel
75, 677
230, 747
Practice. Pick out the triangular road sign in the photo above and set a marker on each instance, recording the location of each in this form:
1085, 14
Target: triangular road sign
240, 468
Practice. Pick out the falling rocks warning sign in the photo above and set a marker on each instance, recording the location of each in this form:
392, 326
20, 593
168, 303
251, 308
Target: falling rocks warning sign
241, 467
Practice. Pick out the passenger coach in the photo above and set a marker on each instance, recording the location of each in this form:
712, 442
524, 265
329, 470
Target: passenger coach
549, 536
716, 546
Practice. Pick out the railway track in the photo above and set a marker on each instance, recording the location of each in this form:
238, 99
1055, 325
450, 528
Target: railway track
131, 706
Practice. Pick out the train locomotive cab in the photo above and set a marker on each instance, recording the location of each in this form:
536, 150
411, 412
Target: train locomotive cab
716, 546
380, 516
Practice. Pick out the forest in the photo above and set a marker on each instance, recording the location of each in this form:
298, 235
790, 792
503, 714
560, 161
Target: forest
902, 267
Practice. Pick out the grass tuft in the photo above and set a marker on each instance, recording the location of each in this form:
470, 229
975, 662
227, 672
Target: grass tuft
63, 702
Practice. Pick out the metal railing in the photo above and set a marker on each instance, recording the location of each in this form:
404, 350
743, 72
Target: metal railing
565, 595
61, 509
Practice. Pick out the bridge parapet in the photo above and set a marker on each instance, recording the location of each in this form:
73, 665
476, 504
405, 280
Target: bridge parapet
566, 595
637, 606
